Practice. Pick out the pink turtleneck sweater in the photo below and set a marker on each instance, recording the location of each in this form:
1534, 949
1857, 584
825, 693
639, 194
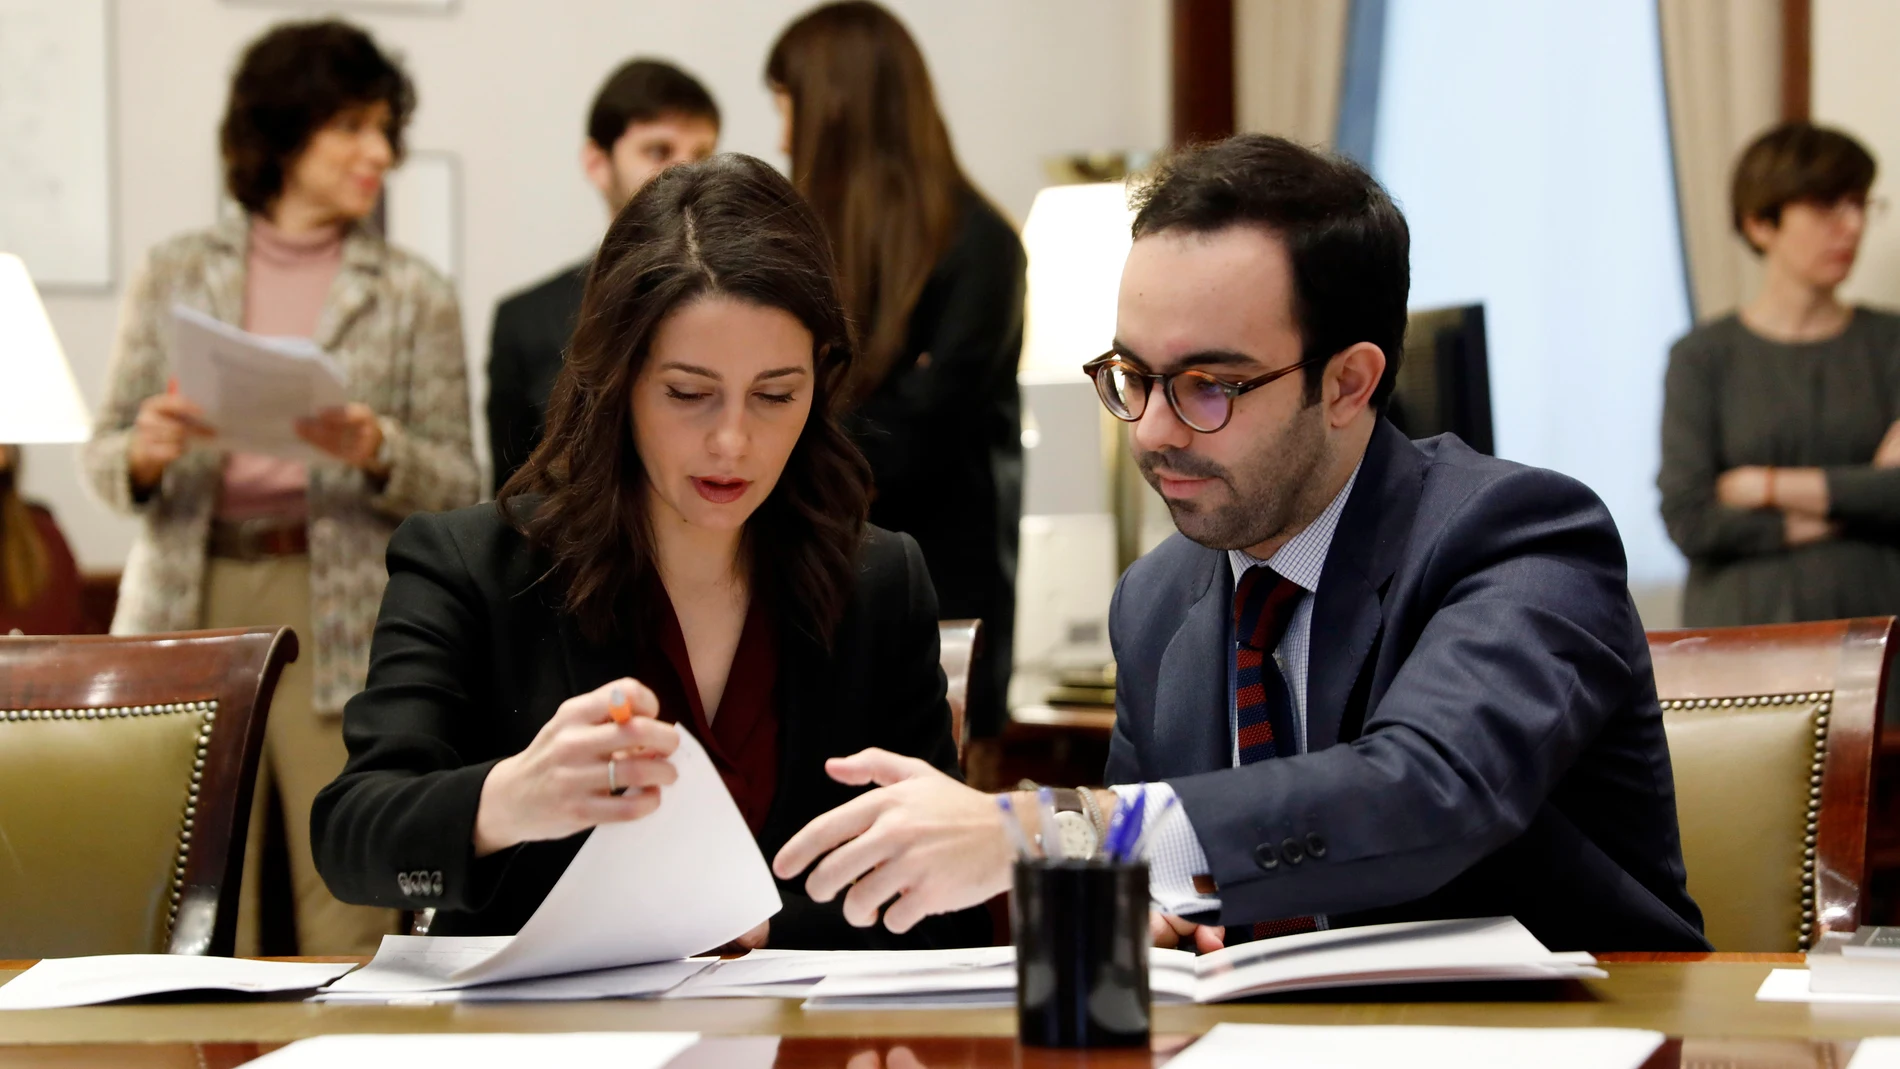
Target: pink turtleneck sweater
286, 281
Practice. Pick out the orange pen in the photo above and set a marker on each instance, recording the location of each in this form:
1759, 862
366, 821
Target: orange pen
618, 706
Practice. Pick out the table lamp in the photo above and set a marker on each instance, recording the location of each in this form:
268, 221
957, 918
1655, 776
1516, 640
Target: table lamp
39, 401
1077, 237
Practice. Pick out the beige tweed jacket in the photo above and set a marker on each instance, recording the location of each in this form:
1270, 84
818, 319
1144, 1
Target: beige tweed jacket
394, 325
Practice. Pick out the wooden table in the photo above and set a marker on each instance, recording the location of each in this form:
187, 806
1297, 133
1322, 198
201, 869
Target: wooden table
1706, 1002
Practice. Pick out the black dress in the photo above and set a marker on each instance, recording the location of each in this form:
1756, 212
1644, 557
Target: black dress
944, 438
1735, 399
473, 654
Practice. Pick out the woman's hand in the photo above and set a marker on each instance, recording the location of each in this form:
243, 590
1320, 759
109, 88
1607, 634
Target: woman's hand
165, 427
1802, 529
1743, 488
1888, 455
350, 433
559, 784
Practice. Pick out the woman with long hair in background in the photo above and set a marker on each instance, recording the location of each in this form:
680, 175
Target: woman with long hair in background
933, 279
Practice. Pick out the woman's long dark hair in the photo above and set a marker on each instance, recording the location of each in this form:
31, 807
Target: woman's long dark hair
872, 154
732, 226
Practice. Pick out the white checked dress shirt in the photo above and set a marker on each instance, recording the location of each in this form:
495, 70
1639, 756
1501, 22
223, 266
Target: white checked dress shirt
1174, 851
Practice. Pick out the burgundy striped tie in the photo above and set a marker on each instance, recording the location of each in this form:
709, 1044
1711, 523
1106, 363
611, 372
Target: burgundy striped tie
1264, 603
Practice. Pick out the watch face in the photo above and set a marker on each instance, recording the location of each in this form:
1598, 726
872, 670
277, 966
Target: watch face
1078, 835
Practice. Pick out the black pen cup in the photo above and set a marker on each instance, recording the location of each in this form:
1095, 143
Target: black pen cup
1081, 953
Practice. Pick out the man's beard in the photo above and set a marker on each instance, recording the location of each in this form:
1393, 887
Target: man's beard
1267, 491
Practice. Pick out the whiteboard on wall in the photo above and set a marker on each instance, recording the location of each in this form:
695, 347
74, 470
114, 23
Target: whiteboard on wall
55, 139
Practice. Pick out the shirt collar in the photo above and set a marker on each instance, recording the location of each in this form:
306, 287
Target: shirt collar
1303, 558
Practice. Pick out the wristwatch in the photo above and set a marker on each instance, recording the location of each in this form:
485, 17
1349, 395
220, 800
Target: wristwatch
1079, 819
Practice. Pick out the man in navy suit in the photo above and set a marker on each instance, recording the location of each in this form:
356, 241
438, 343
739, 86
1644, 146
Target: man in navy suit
1380, 679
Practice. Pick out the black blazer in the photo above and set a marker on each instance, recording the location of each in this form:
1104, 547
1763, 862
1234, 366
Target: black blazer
1486, 739
944, 432
472, 656
525, 352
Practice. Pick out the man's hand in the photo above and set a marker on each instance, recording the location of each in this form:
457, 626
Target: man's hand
1167, 930
1801, 529
922, 838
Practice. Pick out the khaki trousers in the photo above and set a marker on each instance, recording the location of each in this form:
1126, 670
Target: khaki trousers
303, 752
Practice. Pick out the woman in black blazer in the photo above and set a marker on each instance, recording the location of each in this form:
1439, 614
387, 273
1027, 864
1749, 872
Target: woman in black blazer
934, 277
690, 537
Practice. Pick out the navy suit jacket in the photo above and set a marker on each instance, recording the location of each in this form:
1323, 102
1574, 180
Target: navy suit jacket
1484, 733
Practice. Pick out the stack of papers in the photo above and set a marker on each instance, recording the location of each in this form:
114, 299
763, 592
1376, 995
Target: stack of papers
686, 879
59, 982
1376, 1047
253, 388
1411, 952
794, 973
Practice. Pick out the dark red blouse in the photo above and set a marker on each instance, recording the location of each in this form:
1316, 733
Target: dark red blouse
742, 738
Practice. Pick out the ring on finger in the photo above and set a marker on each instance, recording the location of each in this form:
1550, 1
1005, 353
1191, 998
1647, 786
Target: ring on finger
613, 787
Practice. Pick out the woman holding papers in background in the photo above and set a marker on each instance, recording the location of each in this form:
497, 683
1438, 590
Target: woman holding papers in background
691, 532
314, 121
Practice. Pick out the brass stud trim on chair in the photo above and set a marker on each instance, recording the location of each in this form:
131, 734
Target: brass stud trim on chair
207, 712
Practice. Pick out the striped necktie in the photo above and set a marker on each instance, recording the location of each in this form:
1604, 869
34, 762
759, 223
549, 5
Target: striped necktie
1264, 602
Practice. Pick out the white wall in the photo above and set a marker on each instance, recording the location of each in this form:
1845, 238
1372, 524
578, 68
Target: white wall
1856, 85
504, 84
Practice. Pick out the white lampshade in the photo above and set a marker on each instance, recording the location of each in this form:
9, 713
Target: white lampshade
39, 401
1077, 237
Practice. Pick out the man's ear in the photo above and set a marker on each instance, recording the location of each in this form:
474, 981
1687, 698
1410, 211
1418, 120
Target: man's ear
1351, 377
598, 166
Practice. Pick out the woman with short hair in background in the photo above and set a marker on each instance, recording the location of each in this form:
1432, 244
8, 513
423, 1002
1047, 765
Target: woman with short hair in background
313, 124
1781, 422
933, 277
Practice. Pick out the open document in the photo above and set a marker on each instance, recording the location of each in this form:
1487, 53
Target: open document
1407, 953
685, 879
1416, 1047
252, 388
58, 982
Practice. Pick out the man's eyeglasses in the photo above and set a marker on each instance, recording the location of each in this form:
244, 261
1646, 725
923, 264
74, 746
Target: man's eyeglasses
1200, 400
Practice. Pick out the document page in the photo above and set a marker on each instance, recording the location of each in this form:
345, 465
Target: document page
252, 388
683, 880
1381, 1046
57, 982
618, 1050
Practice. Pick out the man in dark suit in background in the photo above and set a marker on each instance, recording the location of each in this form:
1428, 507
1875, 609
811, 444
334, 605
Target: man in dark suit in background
647, 117
1383, 680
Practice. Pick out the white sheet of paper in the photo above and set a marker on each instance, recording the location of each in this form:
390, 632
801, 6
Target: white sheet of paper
793, 974
57, 982
631, 981
1791, 985
620, 1050
1876, 1052
1379, 1046
685, 879
253, 388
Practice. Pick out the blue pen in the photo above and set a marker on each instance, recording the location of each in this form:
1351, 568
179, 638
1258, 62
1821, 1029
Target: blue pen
1130, 829
1012, 827
1115, 821
1141, 841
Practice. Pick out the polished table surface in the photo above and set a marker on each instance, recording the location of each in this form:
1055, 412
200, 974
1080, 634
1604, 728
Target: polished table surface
1707, 1002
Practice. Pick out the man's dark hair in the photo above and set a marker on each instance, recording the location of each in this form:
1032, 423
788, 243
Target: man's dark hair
1797, 162
289, 84
1348, 243
643, 90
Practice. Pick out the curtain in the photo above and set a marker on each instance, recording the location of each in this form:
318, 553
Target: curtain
1722, 71
1288, 56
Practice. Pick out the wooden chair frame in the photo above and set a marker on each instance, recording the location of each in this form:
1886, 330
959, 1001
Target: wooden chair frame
238, 669
1839, 663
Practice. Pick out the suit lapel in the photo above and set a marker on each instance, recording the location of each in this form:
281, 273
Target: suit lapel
1346, 608
1191, 698
590, 664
